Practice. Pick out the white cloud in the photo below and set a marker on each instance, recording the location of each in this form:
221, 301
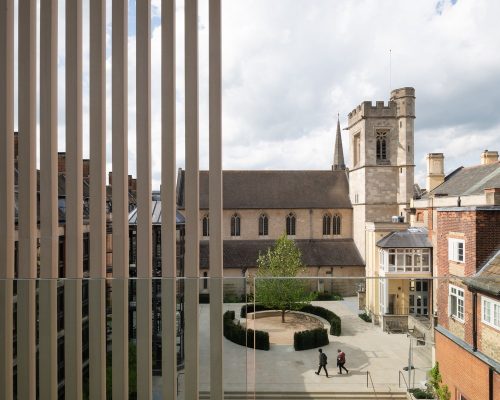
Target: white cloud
289, 66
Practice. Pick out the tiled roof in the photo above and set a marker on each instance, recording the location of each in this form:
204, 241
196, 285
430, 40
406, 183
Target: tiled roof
469, 181
411, 238
488, 277
276, 189
244, 253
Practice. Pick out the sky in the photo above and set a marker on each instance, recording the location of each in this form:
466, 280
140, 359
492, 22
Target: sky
289, 67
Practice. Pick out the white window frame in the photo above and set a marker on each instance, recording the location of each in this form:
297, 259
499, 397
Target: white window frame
454, 250
459, 293
492, 306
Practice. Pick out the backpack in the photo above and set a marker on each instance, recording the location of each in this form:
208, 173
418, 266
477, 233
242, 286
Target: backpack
324, 358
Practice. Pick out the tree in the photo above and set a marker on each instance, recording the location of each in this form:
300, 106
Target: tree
273, 290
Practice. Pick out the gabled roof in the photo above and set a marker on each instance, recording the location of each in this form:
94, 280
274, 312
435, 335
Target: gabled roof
244, 253
487, 279
469, 180
411, 238
275, 189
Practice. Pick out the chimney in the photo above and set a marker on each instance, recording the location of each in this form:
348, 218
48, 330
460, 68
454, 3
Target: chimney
489, 157
61, 162
435, 170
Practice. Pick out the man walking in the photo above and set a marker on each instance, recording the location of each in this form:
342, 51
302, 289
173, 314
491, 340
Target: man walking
341, 361
322, 362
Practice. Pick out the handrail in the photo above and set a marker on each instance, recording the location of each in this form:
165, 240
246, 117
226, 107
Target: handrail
404, 379
371, 380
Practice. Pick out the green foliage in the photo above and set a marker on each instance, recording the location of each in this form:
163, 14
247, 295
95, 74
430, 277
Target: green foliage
273, 290
331, 317
311, 339
244, 337
365, 317
132, 374
249, 308
441, 391
421, 393
323, 296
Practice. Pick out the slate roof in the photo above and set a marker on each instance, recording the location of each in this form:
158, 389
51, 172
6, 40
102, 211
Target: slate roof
275, 189
487, 279
155, 215
244, 253
469, 181
411, 238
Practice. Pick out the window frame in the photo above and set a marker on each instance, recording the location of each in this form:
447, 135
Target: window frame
454, 250
456, 289
235, 225
291, 222
263, 225
494, 304
205, 226
327, 224
381, 147
337, 225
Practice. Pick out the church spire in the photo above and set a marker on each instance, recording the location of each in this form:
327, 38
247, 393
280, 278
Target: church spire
338, 152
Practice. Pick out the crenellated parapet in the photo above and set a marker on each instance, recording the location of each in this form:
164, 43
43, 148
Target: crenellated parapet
367, 109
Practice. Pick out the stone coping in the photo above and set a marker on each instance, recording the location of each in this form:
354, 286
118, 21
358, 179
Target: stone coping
272, 313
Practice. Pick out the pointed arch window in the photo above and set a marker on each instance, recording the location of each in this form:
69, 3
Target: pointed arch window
327, 224
205, 225
235, 225
263, 225
290, 224
381, 146
337, 221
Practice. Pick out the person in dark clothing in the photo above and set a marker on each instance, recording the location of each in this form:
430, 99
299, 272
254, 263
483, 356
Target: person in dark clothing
341, 361
322, 362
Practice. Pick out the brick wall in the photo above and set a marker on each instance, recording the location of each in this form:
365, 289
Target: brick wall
463, 372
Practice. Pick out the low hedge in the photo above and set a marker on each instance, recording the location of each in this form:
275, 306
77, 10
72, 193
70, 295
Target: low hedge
248, 308
311, 339
365, 317
421, 393
244, 337
331, 317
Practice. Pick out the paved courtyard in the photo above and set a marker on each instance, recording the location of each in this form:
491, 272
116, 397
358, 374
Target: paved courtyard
367, 348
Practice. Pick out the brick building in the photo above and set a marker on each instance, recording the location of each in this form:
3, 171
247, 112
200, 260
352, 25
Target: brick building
461, 211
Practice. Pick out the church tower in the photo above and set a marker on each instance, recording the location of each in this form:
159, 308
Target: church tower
381, 175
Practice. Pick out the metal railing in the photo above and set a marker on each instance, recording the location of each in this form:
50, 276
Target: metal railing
369, 376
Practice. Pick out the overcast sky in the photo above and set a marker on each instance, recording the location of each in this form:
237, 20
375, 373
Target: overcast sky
289, 66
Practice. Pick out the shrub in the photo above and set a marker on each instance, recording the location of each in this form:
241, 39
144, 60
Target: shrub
365, 317
250, 309
306, 340
421, 393
239, 335
328, 296
331, 317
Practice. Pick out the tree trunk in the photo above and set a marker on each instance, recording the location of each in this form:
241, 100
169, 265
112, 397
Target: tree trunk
283, 316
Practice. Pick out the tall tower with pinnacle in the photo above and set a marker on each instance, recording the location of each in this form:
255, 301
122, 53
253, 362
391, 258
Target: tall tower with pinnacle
338, 151
381, 175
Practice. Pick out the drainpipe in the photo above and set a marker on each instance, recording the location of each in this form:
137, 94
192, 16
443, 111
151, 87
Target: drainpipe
490, 384
474, 321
